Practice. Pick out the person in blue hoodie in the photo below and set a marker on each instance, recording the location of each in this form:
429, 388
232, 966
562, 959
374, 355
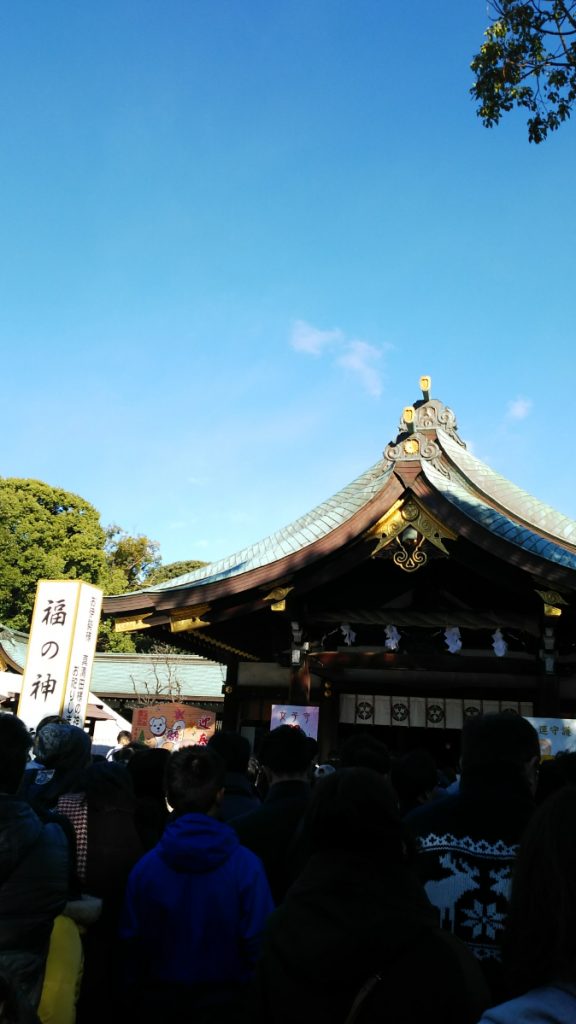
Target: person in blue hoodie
195, 906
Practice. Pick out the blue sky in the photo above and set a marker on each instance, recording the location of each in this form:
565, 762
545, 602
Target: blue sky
234, 235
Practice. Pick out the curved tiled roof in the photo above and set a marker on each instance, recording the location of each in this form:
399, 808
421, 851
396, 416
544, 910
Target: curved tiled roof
306, 530
427, 443
519, 503
456, 489
14, 645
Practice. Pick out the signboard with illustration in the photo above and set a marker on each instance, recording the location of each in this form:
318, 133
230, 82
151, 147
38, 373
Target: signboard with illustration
556, 735
305, 716
172, 726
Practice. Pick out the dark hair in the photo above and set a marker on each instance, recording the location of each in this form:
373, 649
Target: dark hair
193, 777
286, 751
365, 751
106, 785
234, 748
125, 753
413, 776
540, 941
498, 740
147, 769
555, 773
355, 809
123, 734
15, 743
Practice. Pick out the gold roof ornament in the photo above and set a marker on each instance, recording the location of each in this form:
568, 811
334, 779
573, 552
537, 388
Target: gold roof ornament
426, 387
410, 525
130, 624
189, 618
278, 598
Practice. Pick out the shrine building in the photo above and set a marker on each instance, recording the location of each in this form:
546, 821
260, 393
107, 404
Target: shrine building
427, 590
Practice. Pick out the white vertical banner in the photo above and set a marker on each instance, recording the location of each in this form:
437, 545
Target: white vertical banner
510, 705
490, 707
454, 713
417, 712
400, 710
82, 655
435, 713
382, 710
347, 708
364, 709
49, 647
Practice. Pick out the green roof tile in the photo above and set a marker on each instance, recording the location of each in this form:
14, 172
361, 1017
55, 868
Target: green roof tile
304, 531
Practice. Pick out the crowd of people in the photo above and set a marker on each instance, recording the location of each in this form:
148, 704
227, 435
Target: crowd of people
365, 890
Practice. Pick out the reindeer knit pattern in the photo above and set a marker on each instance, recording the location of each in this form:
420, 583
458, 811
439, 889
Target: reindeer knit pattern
470, 888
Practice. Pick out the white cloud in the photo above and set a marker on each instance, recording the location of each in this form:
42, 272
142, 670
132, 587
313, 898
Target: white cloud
306, 338
352, 354
360, 358
519, 409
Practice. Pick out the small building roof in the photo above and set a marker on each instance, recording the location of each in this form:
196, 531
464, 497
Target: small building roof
130, 676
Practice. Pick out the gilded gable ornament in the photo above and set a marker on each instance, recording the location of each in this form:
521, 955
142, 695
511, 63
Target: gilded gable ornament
406, 530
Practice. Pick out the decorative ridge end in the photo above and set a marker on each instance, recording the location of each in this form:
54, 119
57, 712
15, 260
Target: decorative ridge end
418, 427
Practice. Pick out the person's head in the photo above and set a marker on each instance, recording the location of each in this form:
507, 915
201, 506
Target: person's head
414, 778
147, 769
540, 941
194, 780
15, 743
362, 750
355, 810
63, 746
502, 743
233, 748
107, 786
126, 751
285, 753
123, 738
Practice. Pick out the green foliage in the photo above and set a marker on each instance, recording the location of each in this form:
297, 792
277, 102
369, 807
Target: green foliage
49, 533
528, 60
170, 571
130, 560
115, 643
45, 533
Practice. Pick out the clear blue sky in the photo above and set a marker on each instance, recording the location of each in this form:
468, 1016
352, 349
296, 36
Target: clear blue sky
234, 233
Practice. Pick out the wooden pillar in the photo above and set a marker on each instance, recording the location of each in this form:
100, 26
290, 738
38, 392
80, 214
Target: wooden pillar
548, 698
328, 720
299, 686
231, 710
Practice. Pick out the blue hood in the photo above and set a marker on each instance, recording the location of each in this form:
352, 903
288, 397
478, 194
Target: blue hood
196, 843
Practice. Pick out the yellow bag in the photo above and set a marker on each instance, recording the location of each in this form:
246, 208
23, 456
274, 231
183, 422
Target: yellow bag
63, 974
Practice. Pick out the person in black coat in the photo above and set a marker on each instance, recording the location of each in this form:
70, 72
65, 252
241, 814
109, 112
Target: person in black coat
356, 925
468, 842
239, 796
34, 870
270, 831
